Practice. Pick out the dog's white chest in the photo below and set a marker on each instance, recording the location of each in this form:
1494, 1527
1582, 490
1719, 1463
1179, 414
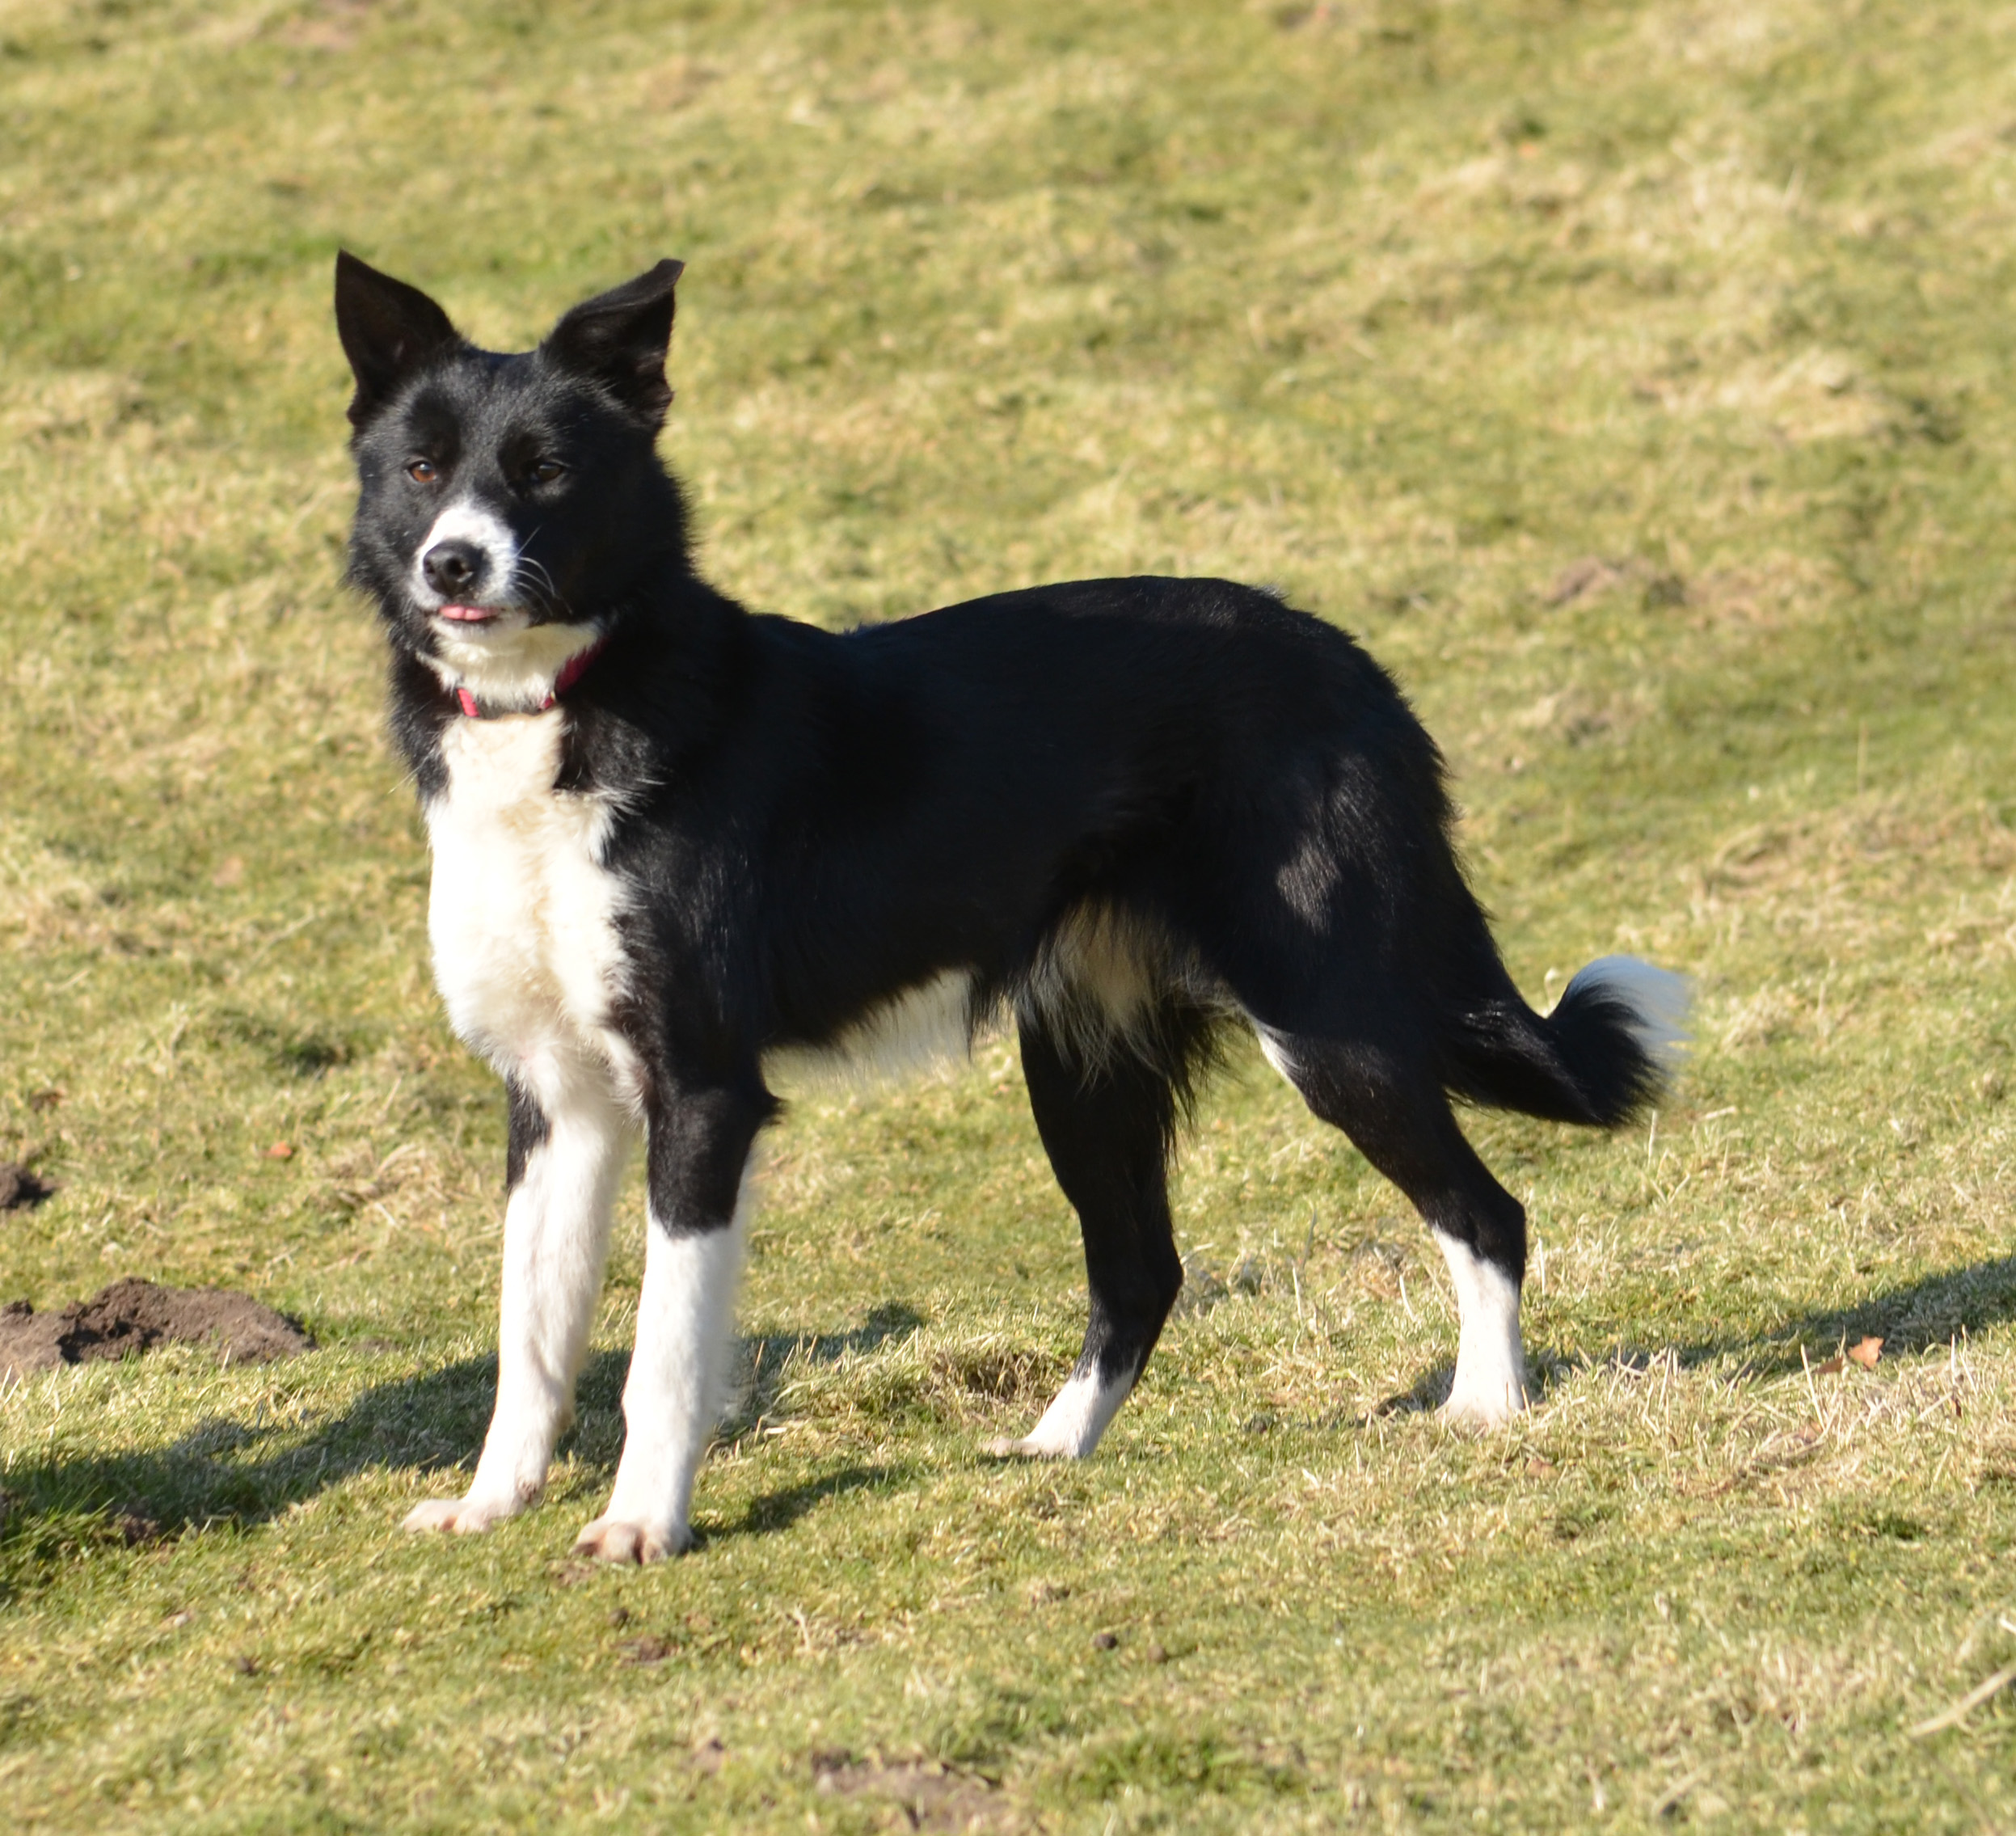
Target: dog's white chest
523, 913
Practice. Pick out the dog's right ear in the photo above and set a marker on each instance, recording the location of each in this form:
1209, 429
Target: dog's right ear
388, 331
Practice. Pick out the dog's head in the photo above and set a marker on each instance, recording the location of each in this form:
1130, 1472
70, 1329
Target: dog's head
509, 506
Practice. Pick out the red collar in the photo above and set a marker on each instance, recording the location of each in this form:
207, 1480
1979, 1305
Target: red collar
572, 671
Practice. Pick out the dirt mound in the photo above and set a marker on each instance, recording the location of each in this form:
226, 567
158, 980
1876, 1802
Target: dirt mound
928, 1796
19, 1188
133, 1315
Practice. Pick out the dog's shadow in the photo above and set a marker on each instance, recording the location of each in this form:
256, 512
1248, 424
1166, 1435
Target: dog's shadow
1917, 1316
235, 1471
1928, 1314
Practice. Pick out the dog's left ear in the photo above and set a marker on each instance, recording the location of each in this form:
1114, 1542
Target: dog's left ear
619, 339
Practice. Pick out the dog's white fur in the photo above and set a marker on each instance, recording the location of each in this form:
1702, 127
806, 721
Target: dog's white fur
673, 1398
523, 913
1094, 981
466, 520
523, 923
1093, 984
1490, 1361
556, 1232
924, 1026
1659, 1000
523, 920
1071, 1426
1490, 1384
507, 661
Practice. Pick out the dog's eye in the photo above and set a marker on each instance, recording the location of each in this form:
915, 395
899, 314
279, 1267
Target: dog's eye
544, 471
422, 471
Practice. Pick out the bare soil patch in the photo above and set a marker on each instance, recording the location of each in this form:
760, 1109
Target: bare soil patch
928, 1796
135, 1315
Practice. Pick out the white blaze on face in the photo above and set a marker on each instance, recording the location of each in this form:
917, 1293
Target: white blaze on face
483, 530
507, 661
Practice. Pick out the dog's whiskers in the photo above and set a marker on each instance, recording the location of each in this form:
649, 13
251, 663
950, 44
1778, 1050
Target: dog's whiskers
544, 591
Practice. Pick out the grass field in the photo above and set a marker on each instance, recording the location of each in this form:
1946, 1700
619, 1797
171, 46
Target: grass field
1631, 376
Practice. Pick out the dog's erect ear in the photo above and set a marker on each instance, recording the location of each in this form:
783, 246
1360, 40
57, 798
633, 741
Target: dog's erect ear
619, 339
388, 331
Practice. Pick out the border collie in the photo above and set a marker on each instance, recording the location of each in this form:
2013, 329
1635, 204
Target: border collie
674, 842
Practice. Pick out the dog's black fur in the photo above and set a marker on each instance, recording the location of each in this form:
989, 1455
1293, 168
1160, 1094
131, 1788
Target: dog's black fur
1126, 811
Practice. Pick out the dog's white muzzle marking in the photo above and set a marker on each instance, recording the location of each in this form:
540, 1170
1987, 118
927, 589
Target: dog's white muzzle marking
506, 661
485, 531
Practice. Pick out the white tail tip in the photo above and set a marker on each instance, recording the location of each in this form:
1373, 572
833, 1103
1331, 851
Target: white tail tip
1659, 1001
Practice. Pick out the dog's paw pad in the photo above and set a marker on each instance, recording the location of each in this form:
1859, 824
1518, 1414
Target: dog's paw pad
463, 1515
612, 1539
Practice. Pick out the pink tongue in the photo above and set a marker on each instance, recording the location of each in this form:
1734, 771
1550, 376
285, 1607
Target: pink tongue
466, 614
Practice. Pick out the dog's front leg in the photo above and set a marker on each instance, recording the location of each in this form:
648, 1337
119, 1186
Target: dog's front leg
700, 1158
564, 1166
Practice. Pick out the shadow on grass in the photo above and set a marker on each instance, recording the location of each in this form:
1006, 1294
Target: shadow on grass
1917, 1316
764, 1356
235, 1471
226, 1470
773, 1511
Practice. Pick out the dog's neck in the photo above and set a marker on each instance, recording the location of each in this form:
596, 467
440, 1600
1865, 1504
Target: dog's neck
519, 671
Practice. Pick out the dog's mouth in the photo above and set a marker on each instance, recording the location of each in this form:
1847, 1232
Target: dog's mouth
469, 614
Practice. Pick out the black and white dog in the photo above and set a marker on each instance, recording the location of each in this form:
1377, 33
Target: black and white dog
674, 842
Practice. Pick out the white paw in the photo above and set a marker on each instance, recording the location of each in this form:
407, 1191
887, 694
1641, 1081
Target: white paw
616, 1539
1006, 1447
463, 1515
1072, 1425
1484, 1405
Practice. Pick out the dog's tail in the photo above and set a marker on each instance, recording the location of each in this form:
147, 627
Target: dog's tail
1609, 1050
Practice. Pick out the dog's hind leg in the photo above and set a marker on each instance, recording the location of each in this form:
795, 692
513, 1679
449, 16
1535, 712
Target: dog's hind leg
565, 1160
1400, 1120
1107, 1127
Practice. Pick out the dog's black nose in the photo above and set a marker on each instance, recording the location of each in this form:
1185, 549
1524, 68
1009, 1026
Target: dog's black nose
453, 566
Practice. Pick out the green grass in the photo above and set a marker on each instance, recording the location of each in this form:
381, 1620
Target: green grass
1632, 378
